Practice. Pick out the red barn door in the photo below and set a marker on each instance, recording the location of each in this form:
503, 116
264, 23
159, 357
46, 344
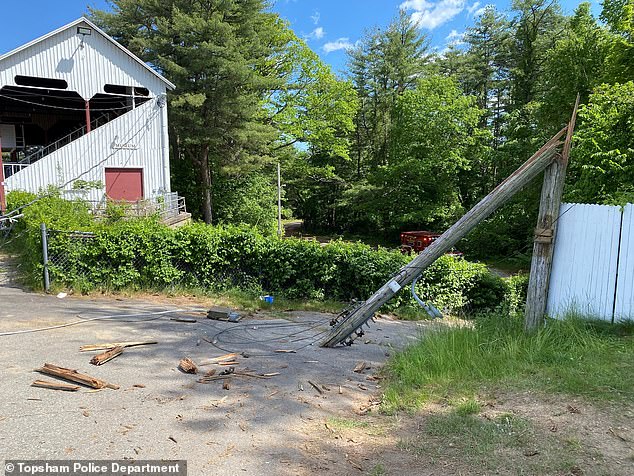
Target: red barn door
124, 184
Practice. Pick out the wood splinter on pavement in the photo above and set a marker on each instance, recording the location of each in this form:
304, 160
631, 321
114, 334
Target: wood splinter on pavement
106, 356
55, 385
316, 387
188, 366
221, 358
74, 376
112, 345
360, 367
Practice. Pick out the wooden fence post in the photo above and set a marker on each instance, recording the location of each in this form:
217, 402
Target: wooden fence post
546, 231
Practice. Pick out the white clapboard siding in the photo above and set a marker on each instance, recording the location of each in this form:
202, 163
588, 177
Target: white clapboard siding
583, 275
87, 63
139, 131
624, 306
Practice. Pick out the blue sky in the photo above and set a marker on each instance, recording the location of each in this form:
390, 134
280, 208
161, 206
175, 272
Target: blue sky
329, 26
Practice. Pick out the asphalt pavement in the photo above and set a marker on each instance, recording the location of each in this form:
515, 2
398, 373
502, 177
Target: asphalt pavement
257, 426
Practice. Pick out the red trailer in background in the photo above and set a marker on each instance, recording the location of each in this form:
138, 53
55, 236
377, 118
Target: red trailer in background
417, 241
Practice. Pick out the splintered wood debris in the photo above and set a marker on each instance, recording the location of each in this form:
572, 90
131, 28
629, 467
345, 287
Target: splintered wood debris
188, 366
55, 385
316, 387
74, 376
360, 367
112, 345
106, 356
221, 358
232, 372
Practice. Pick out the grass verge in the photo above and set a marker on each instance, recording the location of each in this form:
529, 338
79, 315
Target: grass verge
572, 356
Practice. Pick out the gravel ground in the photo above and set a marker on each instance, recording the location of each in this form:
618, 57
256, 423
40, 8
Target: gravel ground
257, 426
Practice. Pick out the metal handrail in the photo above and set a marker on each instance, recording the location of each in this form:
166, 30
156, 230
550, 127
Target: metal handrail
11, 168
67, 139
167, 205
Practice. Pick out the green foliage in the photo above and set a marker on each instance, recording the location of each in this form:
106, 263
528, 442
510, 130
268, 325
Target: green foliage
619, 15
87, 184
451, 283
603, 159
18, 199
55, 213
248, 200
144, 254
246, 89
579, 55
571, 356
314, 106
469, 407
116, 211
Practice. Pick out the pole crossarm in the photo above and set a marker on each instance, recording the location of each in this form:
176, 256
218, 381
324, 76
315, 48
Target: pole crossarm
344, 330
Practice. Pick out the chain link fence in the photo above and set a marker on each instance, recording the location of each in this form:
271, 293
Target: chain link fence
62, 252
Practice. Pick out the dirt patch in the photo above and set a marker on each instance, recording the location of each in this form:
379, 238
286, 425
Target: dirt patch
514, 433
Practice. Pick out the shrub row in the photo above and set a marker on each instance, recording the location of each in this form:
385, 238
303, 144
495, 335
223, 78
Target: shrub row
143, 254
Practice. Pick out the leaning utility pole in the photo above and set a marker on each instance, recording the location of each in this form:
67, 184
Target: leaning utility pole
544, 241
279, 201
343, 331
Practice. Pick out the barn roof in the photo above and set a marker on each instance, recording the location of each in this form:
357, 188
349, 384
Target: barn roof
74, 23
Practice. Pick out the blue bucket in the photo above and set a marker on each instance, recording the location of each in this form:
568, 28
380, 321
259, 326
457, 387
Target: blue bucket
268, 299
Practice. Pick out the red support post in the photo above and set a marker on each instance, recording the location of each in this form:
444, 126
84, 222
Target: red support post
87, 117
3, 204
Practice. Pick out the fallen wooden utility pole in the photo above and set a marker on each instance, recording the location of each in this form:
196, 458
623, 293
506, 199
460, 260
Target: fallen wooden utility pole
546, 231
343, 330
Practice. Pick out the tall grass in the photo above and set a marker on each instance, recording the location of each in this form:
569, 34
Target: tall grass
574, 356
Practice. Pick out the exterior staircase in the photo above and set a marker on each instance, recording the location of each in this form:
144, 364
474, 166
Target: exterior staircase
36, 153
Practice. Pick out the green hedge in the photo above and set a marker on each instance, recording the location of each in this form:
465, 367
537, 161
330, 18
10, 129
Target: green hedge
143, 254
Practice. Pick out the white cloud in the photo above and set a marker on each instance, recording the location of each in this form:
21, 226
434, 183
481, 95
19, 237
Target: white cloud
473, 8
339, 44
431, 15
317, 34
315, 17
480, 11
414, 5
454, 35
455, 39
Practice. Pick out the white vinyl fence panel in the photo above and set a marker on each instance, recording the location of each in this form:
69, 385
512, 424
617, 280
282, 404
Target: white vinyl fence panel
624, 306
583, 276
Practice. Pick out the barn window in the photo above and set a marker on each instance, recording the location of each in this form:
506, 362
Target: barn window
126, 90
115, 89
40, 82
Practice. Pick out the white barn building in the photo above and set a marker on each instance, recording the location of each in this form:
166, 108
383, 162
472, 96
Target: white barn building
80, 112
